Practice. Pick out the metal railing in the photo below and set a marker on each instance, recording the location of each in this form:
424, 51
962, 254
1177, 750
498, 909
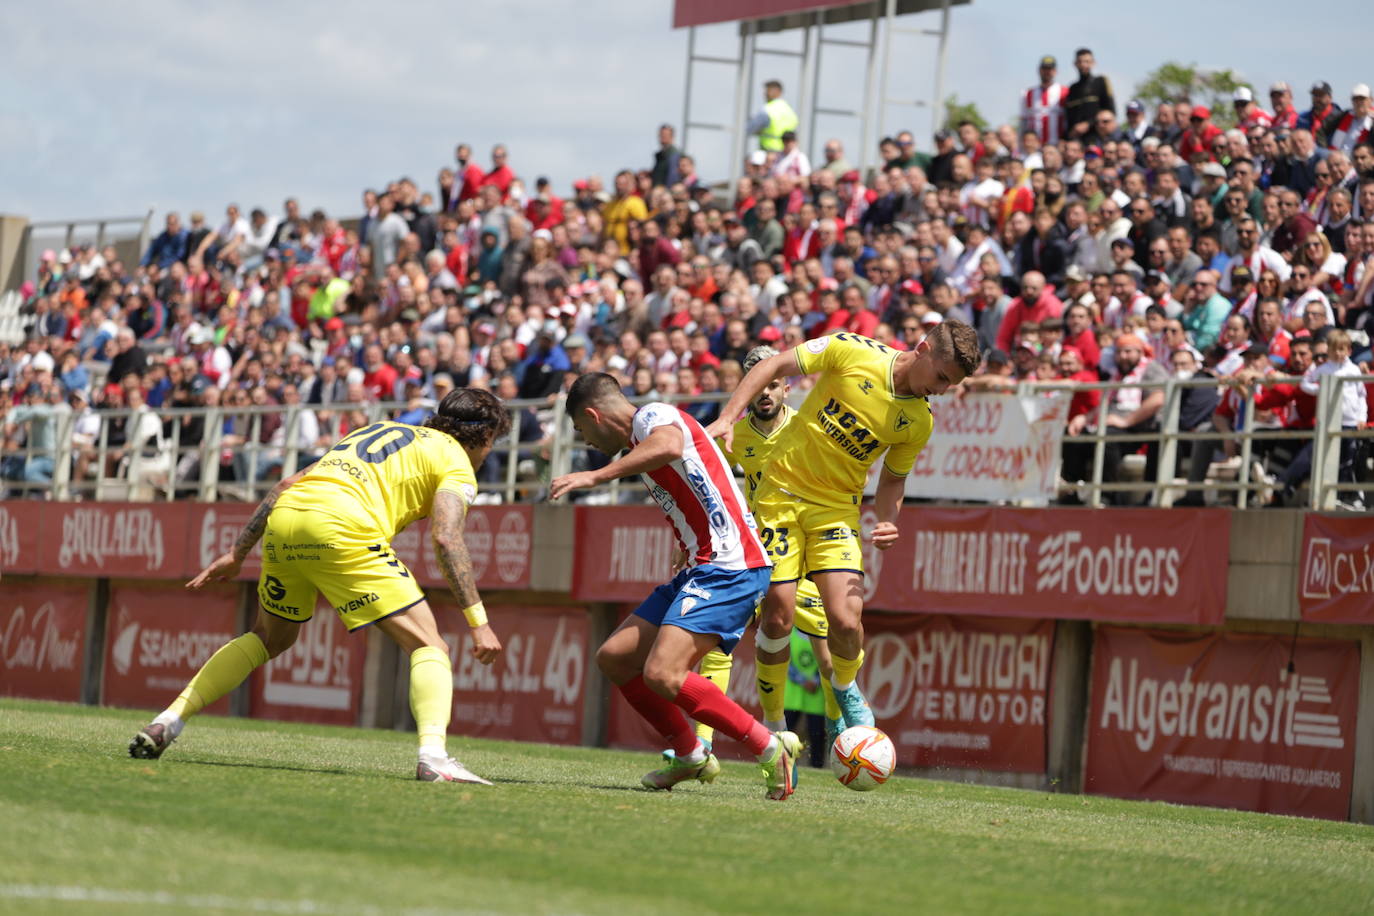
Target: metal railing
1324, 486
240, 465
99, 230
228, 457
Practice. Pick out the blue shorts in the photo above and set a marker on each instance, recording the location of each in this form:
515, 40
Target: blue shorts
708, 599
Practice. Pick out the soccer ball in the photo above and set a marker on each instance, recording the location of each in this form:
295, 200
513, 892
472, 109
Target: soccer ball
862, 758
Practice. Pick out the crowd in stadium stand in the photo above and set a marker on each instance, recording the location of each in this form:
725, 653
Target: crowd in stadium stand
1081, 245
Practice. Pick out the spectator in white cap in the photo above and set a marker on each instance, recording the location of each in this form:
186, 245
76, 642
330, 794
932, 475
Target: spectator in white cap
1353, 127
1249, 114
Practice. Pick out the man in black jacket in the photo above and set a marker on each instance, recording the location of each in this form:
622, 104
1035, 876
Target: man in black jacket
1088, 96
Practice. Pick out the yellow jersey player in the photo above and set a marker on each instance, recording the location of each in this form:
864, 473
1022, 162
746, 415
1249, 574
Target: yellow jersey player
868, 402
756, 435
329, 529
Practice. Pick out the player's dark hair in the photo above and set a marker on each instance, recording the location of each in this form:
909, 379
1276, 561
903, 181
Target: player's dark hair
474, 417
592, 388
956, 342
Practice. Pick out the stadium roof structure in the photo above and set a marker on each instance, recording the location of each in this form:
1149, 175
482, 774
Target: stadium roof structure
758, 17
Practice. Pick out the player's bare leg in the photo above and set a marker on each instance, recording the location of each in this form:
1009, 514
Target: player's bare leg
772, 650
668, 672
622, 658
431, 692
842, 593
229, 667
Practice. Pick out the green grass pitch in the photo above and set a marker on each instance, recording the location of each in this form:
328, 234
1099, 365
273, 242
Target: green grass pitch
251, 816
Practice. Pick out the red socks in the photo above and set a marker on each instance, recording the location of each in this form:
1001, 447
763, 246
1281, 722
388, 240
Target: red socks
665, 717
705, 702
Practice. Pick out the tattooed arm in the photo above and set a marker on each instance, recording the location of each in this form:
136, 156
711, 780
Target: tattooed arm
446, 530
226, 567
447, 516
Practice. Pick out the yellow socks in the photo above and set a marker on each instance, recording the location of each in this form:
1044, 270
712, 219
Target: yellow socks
772, 689
832, 706
846, 669
431, 695
221, 673
715, 667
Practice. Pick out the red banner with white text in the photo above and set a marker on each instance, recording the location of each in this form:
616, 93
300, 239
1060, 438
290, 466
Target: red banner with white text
43, 633
499, 541
19, 527
960, 691
621, 552
157, 637
319, 679
128, 540
534, 690
1336, 583
1139, 565
1218, 719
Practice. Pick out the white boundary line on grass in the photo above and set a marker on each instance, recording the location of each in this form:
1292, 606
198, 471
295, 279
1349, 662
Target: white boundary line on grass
106, 895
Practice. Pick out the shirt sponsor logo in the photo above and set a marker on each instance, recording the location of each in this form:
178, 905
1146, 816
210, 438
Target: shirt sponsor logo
706, 493
842, 425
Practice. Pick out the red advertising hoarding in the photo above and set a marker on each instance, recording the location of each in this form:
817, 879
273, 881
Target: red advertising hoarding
949, 692
960, 692
1336, 583
534, 690
129, 540
158, 635
499, 541
319, 679
43, 633
213, 528
622, 552
1141, 565
19, 536
1217, 719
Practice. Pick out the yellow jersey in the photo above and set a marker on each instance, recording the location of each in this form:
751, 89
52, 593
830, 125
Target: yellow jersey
753, 448
384, 476
851, 417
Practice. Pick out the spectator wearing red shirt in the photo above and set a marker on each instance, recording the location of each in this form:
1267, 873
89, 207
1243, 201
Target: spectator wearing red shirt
835, 317
379, 378
470, 174
861, 321
804, 238
545, 209
501, 174
1199, 135
1035, 304
1071, 369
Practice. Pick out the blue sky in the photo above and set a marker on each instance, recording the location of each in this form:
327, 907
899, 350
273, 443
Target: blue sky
176, 105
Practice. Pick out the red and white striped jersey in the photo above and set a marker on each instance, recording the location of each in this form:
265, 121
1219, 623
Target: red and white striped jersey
699, 495
1350, 132
1042, 110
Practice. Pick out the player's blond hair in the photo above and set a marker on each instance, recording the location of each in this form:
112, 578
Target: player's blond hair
955, 342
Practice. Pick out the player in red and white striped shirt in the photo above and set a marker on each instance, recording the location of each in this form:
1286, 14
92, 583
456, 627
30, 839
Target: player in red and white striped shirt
724, 572
1042, 105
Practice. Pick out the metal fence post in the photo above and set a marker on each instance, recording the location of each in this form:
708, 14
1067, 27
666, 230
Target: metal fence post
1166, 462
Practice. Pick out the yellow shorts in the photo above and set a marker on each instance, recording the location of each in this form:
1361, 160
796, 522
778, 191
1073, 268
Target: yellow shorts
809, 616
804, 538
307, 552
